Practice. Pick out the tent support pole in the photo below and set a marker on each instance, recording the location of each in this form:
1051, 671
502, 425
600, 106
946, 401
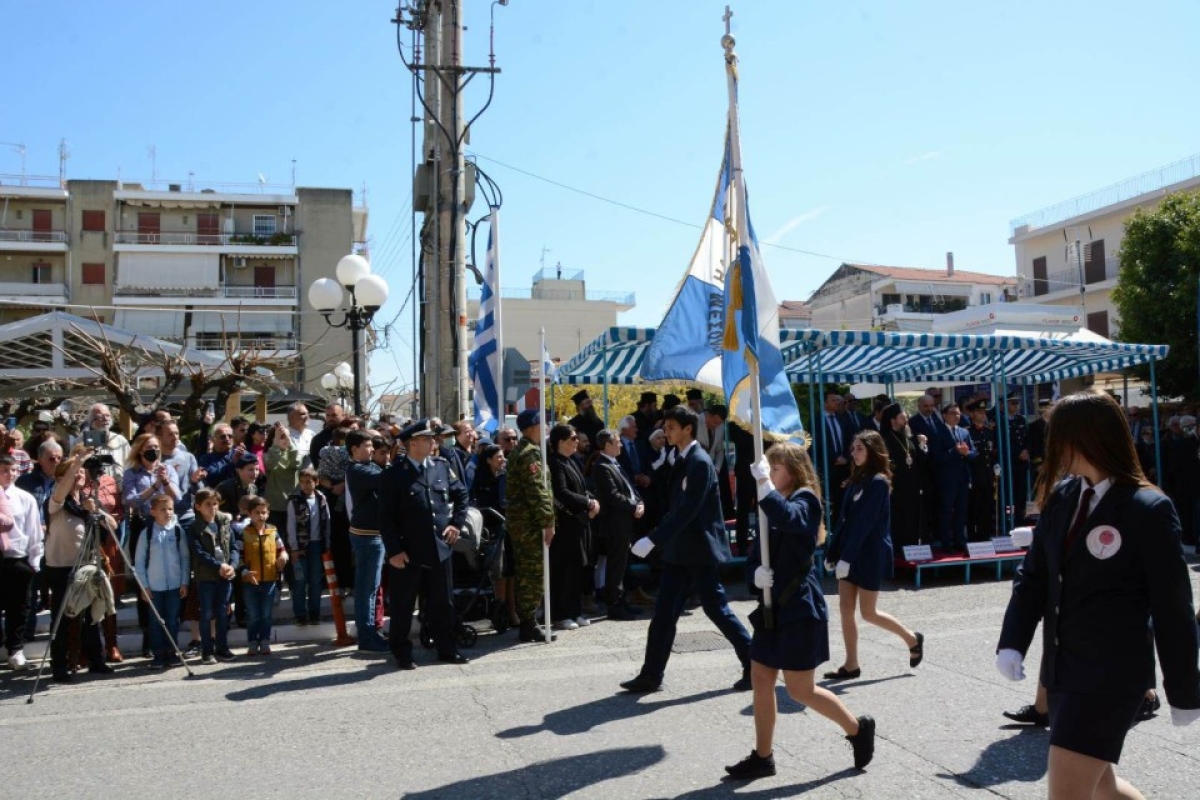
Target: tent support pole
1006, 489
1154, 412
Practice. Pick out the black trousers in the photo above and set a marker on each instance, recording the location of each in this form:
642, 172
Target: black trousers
59, 579
15, 577
616, 546
566, 576
981, 512
433, 584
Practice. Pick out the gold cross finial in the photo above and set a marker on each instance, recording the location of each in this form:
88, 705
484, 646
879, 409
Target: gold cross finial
728, 16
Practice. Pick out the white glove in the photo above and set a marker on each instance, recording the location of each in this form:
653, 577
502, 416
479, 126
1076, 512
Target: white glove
642, 547
1184, 716
1022, 537
761, 469
765, 488
764, 578
1011, 665
843, 569
830, 566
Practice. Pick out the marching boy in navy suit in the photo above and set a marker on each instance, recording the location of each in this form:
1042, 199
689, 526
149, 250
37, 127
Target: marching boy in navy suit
693, 542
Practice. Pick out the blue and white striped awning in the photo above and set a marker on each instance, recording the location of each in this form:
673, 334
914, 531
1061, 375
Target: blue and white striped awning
1017, 358
892, 356
617, 353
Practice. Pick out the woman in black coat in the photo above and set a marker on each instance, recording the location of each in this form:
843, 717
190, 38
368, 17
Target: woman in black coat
488, 482
573, 511
798, 640
1104, 569
908, 456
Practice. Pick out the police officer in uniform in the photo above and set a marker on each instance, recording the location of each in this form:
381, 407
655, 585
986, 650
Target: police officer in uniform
981, 501
422, 508
530, 516
1018, 458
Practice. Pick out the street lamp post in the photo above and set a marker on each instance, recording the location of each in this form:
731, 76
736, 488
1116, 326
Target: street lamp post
340, 381
325, 295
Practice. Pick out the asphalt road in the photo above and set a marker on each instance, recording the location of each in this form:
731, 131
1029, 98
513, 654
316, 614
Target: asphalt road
531, 721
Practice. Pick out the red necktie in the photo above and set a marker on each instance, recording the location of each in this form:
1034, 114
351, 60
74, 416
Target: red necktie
1080, 518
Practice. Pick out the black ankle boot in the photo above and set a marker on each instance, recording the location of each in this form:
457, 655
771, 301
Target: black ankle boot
752, 766
863, 742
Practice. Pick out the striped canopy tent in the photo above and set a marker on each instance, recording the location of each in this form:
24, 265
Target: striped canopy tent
1009, 357
613, 357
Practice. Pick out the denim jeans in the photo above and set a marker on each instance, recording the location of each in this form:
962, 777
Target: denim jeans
214, 602
308, 570
368, 564
167, 604
260, 602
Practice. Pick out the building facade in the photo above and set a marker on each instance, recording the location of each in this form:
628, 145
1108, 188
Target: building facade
871, 297
1068, 253
208, 267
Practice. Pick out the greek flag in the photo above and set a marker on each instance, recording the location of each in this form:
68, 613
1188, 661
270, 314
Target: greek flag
548, 368
751, 360
486, 362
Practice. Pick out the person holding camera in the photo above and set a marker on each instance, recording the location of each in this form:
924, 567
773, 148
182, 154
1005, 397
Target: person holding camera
146, 476
69, 509
100, 420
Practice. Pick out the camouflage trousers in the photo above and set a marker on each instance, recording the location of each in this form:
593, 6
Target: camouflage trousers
527, 568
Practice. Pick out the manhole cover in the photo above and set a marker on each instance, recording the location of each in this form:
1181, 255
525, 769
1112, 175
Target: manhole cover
700, 641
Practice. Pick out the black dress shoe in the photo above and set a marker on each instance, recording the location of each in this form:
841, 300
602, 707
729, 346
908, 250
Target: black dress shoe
620, 613
1150, 705
843, 674
1028, 715
101, 669
743, 684
454, 658
534, 633
752, 766
917, 652
863, 742
405, 664
642, 684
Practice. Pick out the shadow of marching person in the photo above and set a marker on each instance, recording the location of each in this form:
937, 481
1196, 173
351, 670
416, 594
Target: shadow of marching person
728, 788
551, 779
1019, 758
584, 717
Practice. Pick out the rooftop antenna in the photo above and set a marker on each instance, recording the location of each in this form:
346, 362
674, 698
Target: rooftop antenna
18, 148
262, 182
153, 153
544, 251
293, 173
63, 154
191, 180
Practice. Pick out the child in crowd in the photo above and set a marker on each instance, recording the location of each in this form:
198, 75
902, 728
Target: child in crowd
163, 565
212, 562
307, 541
261, 558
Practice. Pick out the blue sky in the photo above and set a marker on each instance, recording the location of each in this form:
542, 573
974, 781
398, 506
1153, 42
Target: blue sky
888, 131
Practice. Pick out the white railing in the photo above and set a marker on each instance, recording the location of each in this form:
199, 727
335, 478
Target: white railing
34, 289
264, 344
206, 239
8, 235
261, 292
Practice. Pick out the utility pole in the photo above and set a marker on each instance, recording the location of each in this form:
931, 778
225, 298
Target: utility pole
445, 379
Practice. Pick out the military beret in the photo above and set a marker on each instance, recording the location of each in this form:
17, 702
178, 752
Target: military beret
528, 418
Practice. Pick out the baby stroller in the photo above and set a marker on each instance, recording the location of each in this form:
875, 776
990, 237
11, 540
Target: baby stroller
477, 560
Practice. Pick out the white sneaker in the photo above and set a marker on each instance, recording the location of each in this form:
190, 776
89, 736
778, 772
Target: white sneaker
583, 622
566, 625
17, 660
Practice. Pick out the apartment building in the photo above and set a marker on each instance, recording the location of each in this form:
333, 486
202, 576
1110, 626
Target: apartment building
795, 314
873, 297
1068, 253
204, 266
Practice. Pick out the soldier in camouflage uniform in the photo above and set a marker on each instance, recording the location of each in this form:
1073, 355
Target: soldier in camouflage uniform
530, 514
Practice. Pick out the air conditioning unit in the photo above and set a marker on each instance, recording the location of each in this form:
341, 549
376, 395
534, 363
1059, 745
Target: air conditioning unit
239, 263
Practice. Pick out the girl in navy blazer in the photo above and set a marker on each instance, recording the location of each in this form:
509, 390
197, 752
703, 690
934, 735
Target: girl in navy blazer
1105, 568
862, 551
798, 641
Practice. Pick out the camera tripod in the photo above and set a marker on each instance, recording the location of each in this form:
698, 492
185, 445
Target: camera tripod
89, 554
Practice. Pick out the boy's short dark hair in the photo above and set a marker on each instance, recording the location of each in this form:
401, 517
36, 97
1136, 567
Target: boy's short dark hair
204, 495
251, 502
7, 461
356, 438
309, 472
684, 417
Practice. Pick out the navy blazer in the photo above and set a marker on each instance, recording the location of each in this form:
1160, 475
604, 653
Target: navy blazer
794, 523
618, 499
919, 427
1097, 612
415, 508
864, 538
950, 466
692, 533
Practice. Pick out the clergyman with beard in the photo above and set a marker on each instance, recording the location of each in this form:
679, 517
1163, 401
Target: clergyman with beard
587, 420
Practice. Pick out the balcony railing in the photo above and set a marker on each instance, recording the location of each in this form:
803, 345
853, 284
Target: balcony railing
8, 235
945, 306
209, 239
1069, 278
261, 292
264, 344
33, 289
231, 292
557, 274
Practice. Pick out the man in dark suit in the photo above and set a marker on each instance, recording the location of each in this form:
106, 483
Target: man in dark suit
693, 542
832, 435
422, 508
925, 423
620, 505
952, 455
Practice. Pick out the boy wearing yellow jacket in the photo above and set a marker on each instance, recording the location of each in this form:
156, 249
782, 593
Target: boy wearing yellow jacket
261, 558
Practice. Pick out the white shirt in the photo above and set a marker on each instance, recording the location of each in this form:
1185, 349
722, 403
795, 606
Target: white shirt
1099, 489
25, 540
302, 440
683, 453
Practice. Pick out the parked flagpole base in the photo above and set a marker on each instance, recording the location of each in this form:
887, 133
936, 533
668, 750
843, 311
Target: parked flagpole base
344, 639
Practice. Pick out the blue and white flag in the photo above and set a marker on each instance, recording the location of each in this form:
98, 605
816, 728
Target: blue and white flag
548, 368
486, 363
750, 335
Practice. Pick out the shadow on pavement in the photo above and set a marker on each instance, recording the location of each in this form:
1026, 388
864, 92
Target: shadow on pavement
551, 779
1018, 758
840, 687
321, 680
783, 702
728, 788
584, 717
